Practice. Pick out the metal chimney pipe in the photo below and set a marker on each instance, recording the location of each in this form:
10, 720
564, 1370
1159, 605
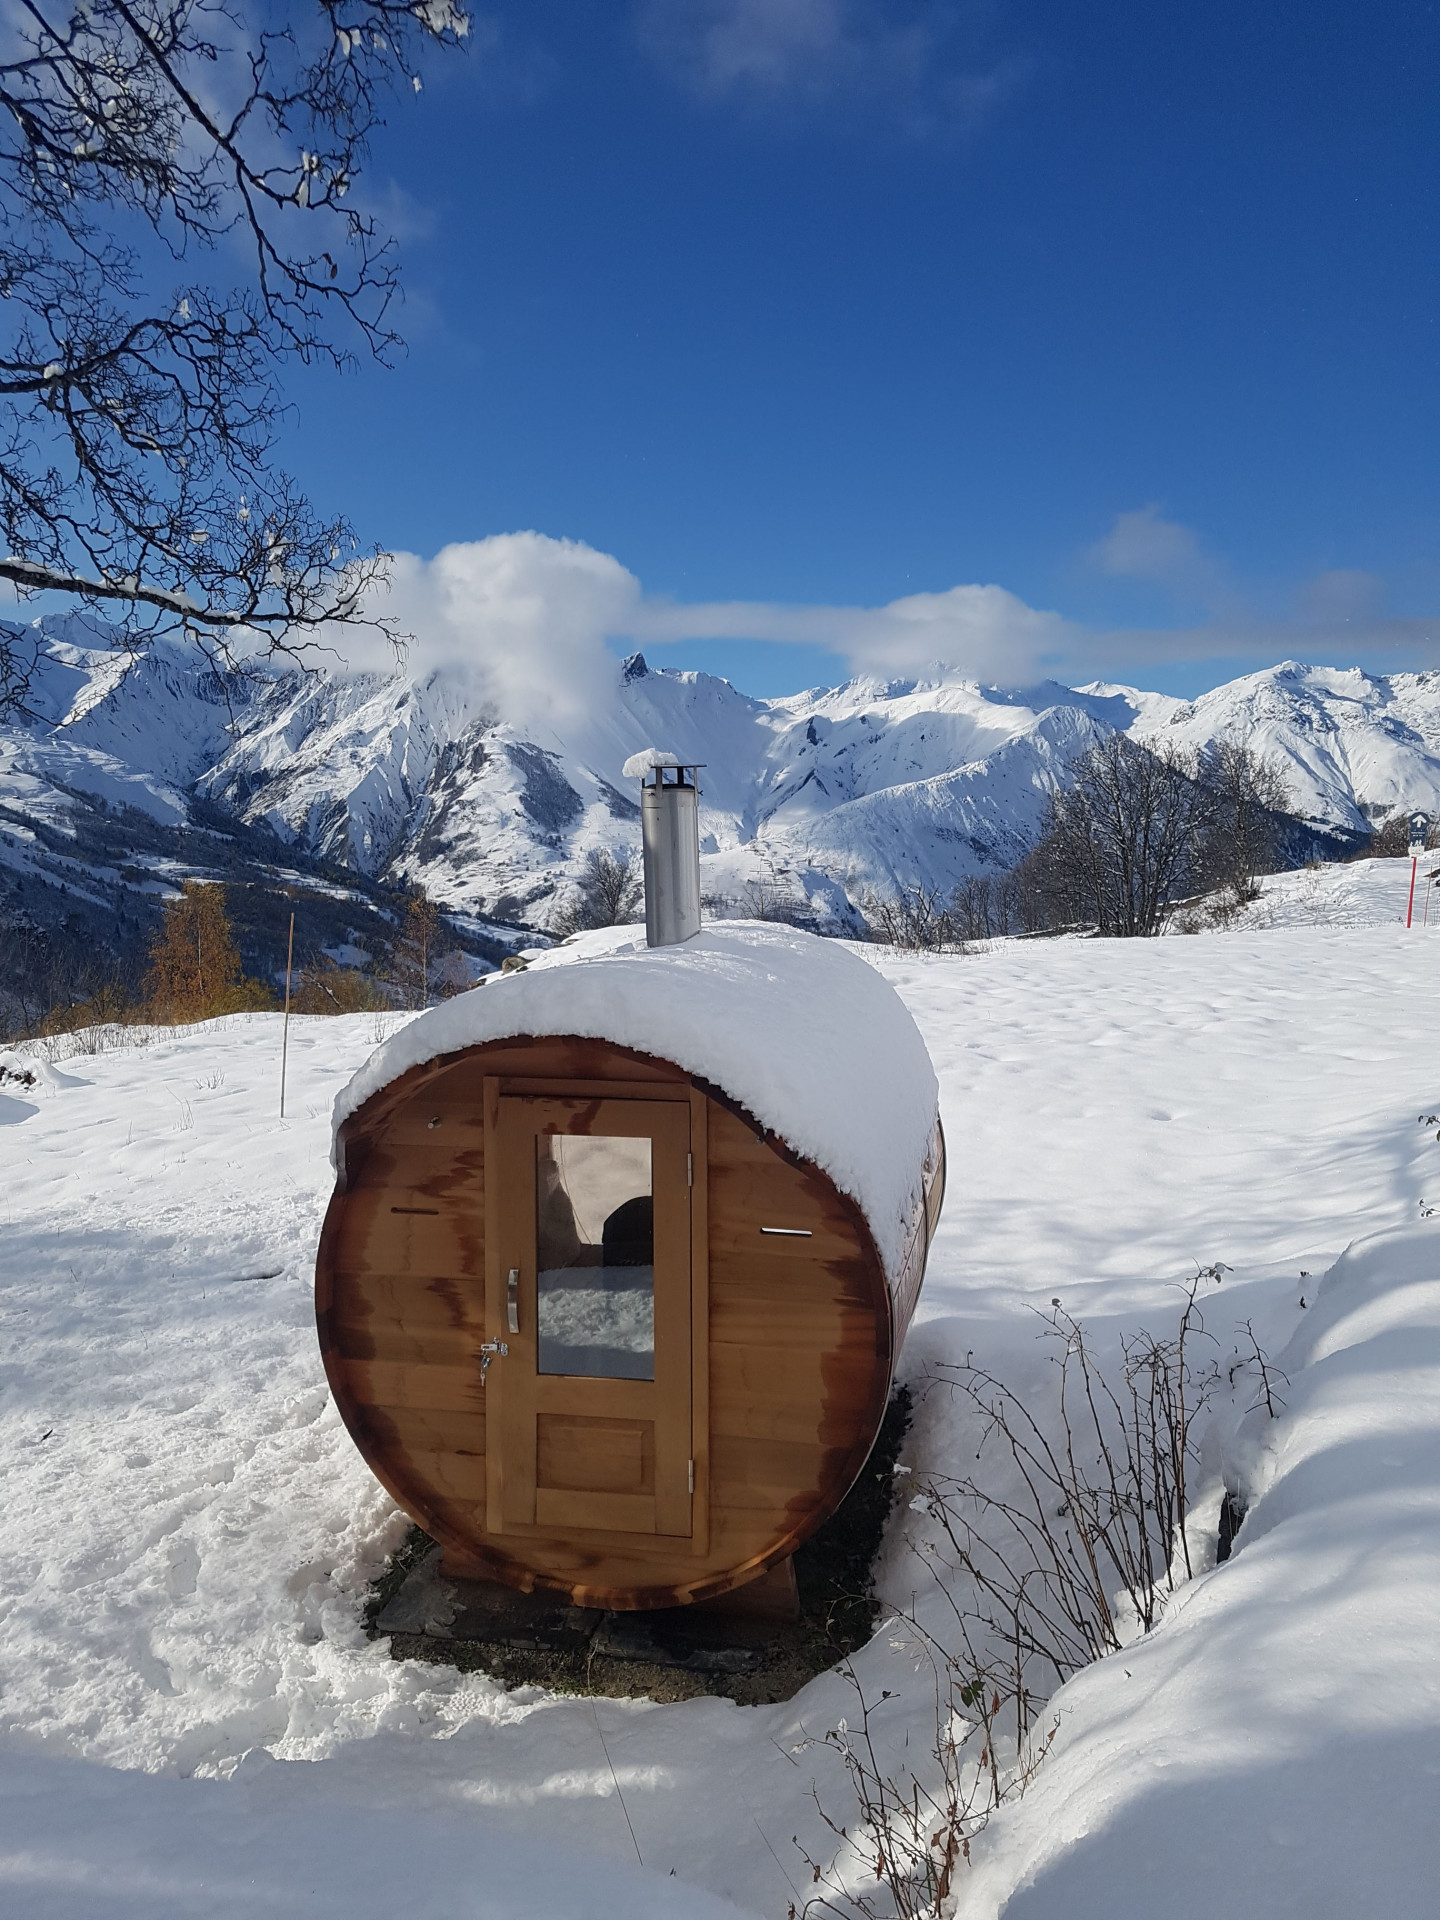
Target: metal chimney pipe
670, 830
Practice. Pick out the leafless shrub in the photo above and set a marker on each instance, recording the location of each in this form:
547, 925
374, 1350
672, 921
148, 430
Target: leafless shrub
1199, 916
1069, 1560
1312, 896
916, 918
1250, 1356
779, 900
915, 1827
1210, 912
1084, 1548
325, 987
1066, 1563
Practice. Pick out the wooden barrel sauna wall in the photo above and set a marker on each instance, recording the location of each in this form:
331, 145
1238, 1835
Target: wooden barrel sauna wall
598, 1329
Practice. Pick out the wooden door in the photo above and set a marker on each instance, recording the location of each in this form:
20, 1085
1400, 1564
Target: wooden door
588, 1415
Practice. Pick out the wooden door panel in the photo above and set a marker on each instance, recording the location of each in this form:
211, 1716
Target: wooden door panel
594, 1456
595, 1446
615, 1512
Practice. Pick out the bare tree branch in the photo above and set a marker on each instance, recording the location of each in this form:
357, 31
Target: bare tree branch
138, 421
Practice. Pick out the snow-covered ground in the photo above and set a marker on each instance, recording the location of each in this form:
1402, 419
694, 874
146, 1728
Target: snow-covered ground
1350, 893
191, 1722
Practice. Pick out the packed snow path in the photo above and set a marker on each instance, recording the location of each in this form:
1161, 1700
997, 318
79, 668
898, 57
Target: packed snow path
187, 1528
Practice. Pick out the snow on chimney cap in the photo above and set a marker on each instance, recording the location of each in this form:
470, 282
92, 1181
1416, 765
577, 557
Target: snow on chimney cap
650, 760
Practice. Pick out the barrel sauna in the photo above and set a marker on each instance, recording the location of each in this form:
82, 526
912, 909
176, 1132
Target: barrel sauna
621, 1252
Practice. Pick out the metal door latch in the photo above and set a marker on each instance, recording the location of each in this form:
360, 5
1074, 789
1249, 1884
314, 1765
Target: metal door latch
488, 1351
512, 1299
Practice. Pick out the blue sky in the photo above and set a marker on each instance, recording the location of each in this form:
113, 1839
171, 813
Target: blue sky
1129, 311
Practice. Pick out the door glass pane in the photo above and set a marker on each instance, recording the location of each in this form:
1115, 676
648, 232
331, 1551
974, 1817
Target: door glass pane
595, 1244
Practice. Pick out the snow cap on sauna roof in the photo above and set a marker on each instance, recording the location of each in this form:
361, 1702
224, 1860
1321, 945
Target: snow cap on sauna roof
802, 1032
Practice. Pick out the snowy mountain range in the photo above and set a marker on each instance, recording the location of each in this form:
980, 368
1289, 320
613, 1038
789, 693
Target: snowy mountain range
127, 772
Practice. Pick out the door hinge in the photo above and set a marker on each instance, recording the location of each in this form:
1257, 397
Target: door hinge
692, 1476
512, 1300
689, 1169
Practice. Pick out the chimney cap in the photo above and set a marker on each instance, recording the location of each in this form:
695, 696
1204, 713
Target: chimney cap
652, 761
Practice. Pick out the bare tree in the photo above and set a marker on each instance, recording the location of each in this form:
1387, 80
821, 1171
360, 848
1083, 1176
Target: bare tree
1122, 840
989, 905
140, 408
607, 894
915, 917
416, 950
1250, 808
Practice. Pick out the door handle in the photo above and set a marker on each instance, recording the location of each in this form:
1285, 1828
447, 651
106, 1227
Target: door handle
488, 1350
512, 1300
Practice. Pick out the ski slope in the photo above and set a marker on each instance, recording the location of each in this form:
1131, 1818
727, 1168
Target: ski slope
192, 1723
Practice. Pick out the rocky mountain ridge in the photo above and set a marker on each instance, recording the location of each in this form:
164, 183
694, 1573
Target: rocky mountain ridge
389, 780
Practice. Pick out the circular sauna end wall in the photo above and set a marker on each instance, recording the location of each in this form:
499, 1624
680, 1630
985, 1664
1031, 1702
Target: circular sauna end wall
509, 1196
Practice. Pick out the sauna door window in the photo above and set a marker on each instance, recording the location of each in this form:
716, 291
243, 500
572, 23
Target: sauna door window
595, 1255
588, 1412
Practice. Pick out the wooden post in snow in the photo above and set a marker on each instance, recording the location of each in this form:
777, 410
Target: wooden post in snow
1409, 911
285, 1030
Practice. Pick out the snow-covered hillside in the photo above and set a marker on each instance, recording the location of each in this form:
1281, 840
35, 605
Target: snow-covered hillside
1352, 893
187, 1529
814, 798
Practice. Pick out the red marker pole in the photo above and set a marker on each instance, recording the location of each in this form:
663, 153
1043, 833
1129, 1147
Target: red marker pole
1411, 908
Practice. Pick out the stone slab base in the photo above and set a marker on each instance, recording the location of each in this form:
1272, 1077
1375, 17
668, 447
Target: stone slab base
730, 1635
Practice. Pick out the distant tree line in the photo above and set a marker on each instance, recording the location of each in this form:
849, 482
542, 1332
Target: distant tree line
194, 972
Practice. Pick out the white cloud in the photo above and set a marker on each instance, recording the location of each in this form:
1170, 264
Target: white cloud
1144, 545
905, 56
521, 621
773, 45
984, 631
519, 618
1343, 595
